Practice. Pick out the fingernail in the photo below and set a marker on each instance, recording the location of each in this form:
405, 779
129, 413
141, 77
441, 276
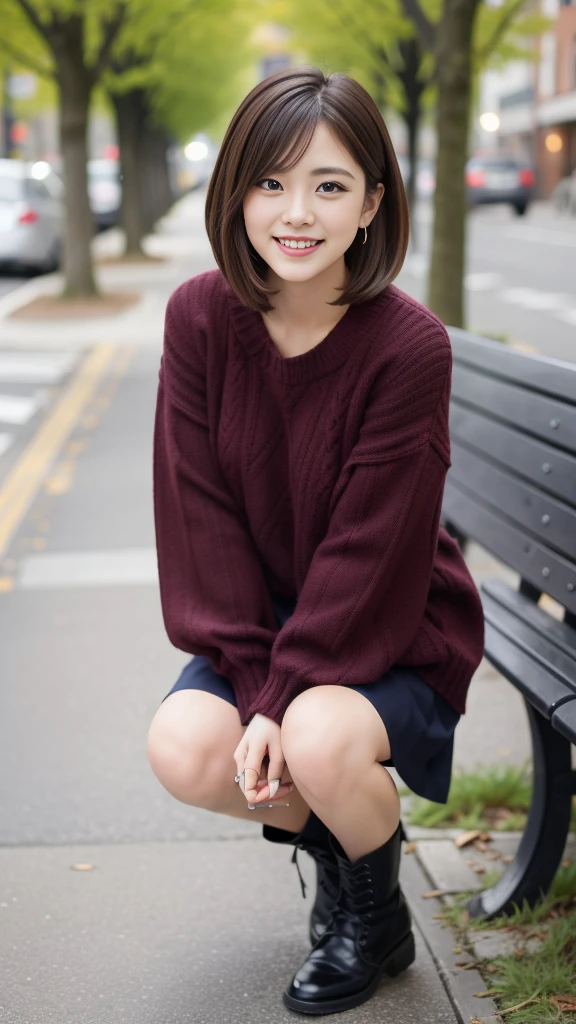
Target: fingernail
241, 781
251, 807
273, 787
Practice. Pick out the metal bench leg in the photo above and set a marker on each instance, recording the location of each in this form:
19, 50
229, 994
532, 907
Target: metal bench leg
531, 872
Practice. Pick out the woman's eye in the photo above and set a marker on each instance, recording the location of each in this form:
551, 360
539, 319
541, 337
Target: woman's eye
275, 186
332, 185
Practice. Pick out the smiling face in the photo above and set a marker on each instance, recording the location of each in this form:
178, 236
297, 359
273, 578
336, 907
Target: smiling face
321, 200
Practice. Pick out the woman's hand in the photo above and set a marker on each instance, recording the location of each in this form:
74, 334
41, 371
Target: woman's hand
262, 736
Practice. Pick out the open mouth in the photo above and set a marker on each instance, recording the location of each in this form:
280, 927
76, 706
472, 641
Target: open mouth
298, 248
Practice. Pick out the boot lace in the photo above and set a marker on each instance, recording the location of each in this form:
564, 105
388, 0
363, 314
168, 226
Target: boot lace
321, 856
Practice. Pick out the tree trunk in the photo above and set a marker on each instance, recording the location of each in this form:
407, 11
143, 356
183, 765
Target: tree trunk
155, 180
75, 88
411, 54
128, 108
446, 281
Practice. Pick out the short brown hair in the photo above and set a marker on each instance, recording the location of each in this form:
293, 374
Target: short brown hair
272, 129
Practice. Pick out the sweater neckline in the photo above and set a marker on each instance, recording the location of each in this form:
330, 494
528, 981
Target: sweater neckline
326, 356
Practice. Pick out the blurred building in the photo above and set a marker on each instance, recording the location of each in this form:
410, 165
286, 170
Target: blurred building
555, 136
535, 101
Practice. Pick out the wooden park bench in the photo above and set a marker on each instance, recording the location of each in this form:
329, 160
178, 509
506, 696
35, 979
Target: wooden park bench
512, 489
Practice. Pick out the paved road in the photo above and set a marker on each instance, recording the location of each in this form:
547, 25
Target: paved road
8, 282
521, 275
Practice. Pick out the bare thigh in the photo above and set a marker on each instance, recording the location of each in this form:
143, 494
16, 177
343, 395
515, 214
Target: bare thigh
190, 744
190, 747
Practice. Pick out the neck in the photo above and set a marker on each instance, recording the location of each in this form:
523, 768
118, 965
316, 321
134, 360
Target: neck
303, 306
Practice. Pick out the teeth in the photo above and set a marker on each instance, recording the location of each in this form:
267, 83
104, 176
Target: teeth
297, 245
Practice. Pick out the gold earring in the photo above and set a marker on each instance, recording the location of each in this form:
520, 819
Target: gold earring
365, 236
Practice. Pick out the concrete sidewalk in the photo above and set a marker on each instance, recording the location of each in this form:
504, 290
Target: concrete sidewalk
117, 903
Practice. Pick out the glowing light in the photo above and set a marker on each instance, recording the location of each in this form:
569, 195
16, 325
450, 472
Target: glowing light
553, 142
490, 122
196, 150
40, 170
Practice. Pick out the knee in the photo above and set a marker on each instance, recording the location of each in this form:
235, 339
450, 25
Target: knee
187, 764
316, 744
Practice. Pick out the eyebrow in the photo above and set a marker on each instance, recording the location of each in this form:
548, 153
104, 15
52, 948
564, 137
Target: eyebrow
333, 170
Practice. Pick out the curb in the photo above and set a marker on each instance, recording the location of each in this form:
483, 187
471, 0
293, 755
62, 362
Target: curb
460, 985
46, 284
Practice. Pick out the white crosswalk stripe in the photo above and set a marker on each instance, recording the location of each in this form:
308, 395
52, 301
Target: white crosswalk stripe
5, 442
25, 378
35, 367
19, 409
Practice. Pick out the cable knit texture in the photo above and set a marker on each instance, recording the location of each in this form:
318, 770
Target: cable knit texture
319, 476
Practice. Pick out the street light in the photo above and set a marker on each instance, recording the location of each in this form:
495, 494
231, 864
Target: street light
553, 142
196, 150
489, 122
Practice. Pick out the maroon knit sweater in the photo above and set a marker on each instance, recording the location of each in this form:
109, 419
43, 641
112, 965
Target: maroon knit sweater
320, 476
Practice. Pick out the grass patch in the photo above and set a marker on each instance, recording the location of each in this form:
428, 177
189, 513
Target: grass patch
539, 980
492, 798
495, 797
534, 982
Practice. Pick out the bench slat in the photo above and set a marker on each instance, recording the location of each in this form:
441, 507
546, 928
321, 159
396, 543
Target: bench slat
551, 420
564, 720
546, 517
558, 633
510, 545
548, 468
543, 673
548, 376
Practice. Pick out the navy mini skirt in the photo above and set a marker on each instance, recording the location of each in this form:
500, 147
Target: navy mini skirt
420, 723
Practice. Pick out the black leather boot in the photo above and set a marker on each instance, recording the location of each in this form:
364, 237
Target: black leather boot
314, 839
370, 935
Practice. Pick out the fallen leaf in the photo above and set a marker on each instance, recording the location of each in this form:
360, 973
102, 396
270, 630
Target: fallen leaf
489, 992
490, 969
82, 867
431, 895
566, 863
457, 949
566, 1004
507, 858
493, 855
519, 1006
485, 837
478, 868
481, 846
466, 965
467, 837
410, 847
519, 953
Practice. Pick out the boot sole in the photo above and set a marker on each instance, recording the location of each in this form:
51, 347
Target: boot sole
398, 960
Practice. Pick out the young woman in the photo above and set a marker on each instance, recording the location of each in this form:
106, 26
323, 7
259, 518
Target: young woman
301, 448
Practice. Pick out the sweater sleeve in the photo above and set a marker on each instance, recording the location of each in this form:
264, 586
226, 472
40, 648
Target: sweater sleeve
214, 597
366, 589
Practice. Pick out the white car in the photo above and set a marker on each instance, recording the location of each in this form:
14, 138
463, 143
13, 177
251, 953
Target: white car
31, 215
105, 192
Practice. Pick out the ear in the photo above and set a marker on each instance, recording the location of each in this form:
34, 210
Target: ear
371, 205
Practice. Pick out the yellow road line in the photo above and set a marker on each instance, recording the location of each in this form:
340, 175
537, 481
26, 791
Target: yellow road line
25, 478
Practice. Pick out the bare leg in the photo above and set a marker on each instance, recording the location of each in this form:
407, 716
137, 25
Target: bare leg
189, 747
333, 739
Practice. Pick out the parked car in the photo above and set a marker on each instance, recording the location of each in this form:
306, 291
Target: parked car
564, 195
495, 178
31, 215
105, 192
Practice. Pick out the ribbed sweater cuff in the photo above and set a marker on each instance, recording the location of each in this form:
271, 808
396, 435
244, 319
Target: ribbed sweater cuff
273, 699
248, 681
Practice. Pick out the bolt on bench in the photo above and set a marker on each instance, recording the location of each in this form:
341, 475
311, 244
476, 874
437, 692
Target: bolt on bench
512, 489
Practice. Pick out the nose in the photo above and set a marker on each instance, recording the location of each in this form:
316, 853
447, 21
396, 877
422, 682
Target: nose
297, 211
